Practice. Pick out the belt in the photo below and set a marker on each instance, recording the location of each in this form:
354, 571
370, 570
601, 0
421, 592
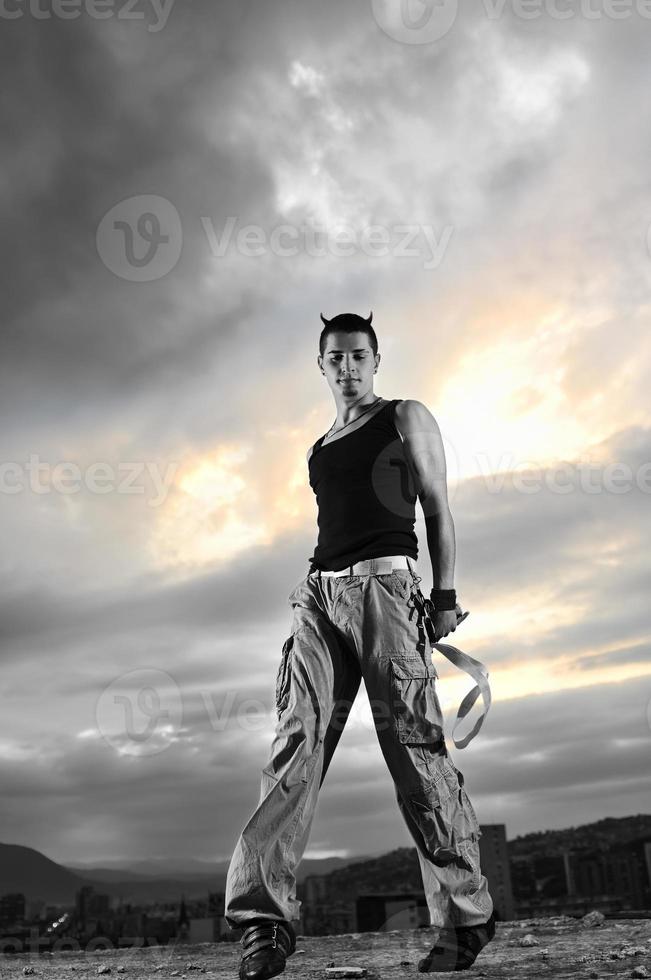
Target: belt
374, 566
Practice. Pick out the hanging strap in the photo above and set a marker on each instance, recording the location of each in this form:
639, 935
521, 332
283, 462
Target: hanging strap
463, 661
479, 673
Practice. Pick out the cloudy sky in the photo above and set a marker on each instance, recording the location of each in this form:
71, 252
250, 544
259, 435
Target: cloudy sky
184, 187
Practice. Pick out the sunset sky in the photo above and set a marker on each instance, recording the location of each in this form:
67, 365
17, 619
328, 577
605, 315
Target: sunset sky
182, 394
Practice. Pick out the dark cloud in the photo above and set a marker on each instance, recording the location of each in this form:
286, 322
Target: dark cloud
528, 137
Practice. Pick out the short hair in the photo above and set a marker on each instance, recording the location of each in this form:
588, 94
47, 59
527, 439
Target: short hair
348, 323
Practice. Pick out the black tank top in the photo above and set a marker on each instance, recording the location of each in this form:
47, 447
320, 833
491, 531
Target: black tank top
365, 495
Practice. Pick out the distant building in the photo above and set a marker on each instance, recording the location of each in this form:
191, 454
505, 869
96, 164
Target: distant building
621, 874
90, 906
385, 911
324, 914
35, 909
183, 922
496, 866
574, 879
12, 909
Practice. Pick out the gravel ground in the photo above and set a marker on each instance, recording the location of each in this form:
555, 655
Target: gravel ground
557, 947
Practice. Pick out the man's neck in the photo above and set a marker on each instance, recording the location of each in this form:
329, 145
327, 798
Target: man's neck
346, 411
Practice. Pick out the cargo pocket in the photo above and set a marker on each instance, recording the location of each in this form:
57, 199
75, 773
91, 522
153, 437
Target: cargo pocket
416, 707
401, 584
283, 676
293, 594
470, 823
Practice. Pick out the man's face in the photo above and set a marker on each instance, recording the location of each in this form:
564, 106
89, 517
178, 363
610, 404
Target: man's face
349, 364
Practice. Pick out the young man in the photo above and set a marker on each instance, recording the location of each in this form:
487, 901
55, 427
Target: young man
358, 614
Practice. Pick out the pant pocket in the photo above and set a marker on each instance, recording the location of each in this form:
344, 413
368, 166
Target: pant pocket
462, 814
401, 582
415, 704
288, 764
465, 802
292, 595
283, 676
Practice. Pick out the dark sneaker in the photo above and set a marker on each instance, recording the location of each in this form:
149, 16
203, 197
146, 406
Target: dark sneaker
267, 944
457, 950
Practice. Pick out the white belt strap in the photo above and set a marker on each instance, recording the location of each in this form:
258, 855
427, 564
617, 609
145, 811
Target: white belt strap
479, 673
463, 661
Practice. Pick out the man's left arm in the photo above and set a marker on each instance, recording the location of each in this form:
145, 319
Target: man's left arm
423, 447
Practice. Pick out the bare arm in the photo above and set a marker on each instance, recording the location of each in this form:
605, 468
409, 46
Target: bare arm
425, 456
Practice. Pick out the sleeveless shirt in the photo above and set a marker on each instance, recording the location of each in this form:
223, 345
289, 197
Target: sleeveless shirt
365, 496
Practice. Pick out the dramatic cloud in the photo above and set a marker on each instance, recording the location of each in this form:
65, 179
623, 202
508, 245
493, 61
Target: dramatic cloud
156, 509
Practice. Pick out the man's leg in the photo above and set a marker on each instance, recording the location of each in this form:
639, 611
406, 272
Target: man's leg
316, 684
400, 679
451, 871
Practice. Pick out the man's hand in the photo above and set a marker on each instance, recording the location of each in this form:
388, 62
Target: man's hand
445, 621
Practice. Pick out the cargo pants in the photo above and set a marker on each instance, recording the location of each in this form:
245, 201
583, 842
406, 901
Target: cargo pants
345, 629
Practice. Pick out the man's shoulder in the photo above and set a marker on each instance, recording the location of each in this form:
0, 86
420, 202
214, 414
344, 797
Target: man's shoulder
407, 406
411, 415
311, 450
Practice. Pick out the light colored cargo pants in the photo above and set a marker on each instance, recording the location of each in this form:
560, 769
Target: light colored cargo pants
345, 629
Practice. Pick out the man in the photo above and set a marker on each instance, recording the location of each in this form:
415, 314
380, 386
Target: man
358, 614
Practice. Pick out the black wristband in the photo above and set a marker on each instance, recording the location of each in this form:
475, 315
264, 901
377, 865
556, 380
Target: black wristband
444, 599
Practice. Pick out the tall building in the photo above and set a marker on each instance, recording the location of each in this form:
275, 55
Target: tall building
496, 866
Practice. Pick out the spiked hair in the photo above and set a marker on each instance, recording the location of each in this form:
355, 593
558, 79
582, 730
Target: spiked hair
348, 323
